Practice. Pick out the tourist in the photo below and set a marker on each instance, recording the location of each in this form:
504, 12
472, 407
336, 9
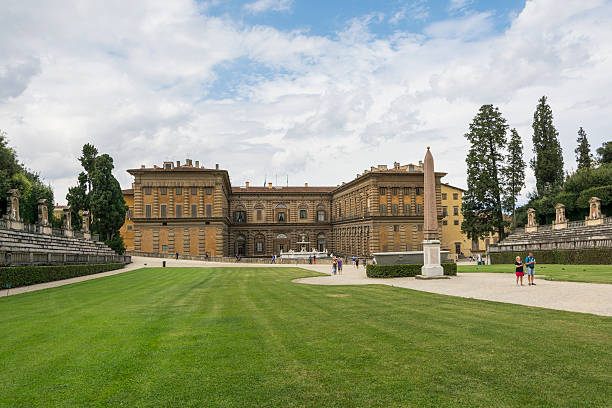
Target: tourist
519, 270
176, 256
373, 261
530, 264
340, 266
206, 256
357, 263
273, 259
334, 265
314, 259
310, 260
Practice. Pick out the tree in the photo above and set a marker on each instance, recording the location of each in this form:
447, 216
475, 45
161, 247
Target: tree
107, 203
8, 168
78, 200
605, 153
513, 173
547, 163
482, 203
584, 158
88, 157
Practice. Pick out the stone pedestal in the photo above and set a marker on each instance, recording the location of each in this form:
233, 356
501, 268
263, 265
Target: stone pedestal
14, 225
559, 225
68, 233
431, 259
531, 229
87, 236
592, 222
47, 230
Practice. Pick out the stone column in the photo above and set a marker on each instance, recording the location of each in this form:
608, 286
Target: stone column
560, 221
431, 243
43, 217
85, 227
595, 216
12, 210
68, 222
532, 225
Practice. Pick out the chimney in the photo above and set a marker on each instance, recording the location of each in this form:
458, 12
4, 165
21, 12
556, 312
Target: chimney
198, 164
142, 166
305, 184
217, 166
178, 163
396, 165
155, 166
270, 185
246, 184
188, 162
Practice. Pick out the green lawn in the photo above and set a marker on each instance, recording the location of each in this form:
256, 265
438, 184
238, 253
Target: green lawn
240, 337
572, 273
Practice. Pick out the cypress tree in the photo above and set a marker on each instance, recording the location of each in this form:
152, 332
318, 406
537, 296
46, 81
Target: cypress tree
482, 203
584, 159
514, 173
547, 164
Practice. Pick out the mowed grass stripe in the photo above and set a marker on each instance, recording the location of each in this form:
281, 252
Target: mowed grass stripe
251, 337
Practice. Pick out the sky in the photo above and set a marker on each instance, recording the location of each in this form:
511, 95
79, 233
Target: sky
306, 90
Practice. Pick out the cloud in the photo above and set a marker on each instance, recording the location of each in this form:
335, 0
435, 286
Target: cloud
261, 6
171, 81
415, 10
459, 5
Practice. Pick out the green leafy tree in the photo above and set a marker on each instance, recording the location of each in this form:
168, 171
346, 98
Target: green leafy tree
605, 153
78, 200
107, 203
8, 168
584, 159
88, 158
547, 164
513, 173
482, 203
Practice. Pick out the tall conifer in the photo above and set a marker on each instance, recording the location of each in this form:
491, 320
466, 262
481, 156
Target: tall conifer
547, 164
584, 159
514, 173
482, 202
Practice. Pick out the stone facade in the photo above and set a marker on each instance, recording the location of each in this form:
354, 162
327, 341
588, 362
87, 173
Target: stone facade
194, 210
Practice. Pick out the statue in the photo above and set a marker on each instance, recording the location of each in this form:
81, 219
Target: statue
85, 227
43, 217
532, 225
13, 205
595, 216
560, 221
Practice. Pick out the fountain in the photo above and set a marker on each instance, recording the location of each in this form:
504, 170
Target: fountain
303, 253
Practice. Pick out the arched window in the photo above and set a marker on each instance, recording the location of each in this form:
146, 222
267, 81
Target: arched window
240, 245
259, 213
321, 242
320, 213
259, 244
281, 213
281, 236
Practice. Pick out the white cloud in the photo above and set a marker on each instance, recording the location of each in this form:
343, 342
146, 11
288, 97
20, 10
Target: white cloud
459, 5
320, 110
261, 6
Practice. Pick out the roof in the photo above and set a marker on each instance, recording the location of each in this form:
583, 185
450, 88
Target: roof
289, 189
128, 191
456, 188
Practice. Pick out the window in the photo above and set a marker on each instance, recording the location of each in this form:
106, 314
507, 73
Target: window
406, 190
457, 247
148, 210
411, 168
418, 190
456, 222
259, 215
148, 190
208, 190
407, 210
394, 209
209, 210
194, 191
382, 190
321, 242
259, 246
474, 244
394, 190
163, 190
455, 196
302, 214
130, 227
455, 210
130, 213
396, 228
168, 166
240, 245
164, 248
444, 196
383, 209
339, 211
282, 216
240, 215
420, 227
194, 210
419, 208
179, 211
163, 211
444, 211
321, 215
444, 222
179, 190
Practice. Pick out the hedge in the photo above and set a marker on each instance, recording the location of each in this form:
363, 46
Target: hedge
401, 271
15, 276
597, 256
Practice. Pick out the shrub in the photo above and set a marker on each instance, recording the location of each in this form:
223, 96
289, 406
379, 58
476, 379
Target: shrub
404, 270
597, 256
14, 276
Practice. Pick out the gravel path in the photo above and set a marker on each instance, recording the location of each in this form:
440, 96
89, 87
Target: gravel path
570, 296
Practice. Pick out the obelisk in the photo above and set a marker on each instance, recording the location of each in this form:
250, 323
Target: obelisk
431, 241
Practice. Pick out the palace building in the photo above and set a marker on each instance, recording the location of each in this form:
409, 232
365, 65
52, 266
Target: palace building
193, 210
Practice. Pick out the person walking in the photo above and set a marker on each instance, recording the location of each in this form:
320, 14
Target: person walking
339, 266
334, 266
530, 264
357, 263
273, 259
176, 255
519, 270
